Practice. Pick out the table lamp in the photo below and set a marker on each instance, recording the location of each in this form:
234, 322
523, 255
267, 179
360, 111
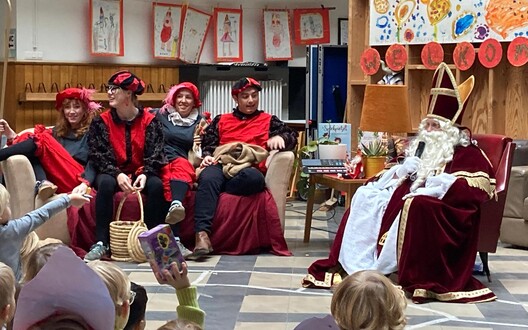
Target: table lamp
385, 109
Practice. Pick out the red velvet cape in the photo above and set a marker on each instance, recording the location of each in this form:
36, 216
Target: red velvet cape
437, 241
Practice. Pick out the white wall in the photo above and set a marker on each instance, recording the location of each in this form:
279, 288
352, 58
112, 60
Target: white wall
59, 29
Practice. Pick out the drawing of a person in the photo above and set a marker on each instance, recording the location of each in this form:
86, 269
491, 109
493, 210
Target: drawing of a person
166, 31
226, 36
277, 29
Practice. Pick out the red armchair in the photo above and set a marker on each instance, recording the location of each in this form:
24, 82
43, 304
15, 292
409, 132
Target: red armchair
499, 150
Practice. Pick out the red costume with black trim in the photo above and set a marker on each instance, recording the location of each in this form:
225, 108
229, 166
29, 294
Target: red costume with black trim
137, 139
254, 130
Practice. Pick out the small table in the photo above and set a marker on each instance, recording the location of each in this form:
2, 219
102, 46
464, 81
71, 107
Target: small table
349, 186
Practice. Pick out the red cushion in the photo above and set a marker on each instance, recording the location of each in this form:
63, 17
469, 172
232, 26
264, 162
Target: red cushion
242, 224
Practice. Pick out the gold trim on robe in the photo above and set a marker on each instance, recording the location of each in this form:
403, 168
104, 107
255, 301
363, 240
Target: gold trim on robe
480, 180
451, 296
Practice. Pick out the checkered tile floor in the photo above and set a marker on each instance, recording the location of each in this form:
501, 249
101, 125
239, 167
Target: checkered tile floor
264, 291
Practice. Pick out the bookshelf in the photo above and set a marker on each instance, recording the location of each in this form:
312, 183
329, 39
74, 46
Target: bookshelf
499, 102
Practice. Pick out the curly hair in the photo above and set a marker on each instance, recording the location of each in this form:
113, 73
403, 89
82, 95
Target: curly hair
368, 300
63, 127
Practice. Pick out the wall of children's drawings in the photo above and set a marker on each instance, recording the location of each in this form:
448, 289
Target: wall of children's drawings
446, 21
156, 31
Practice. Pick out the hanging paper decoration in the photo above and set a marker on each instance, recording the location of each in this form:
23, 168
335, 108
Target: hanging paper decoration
432, 55
396, 57
490, 53
518, 51
464, 55
277, 35
311, 26
166, 21
370, 61
228, 35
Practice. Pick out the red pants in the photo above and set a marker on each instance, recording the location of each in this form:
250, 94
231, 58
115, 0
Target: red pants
179, 169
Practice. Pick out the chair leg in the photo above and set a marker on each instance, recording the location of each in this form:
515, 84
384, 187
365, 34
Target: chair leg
485, 266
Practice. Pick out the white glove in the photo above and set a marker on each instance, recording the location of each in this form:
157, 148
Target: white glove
435, 186
442, 179
410, 165
437, 192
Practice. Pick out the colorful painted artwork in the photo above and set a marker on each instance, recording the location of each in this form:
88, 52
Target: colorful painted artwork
277, 35
194, 29
167, 21
106, 23
446, 21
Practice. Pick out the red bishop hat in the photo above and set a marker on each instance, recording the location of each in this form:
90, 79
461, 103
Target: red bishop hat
447, 100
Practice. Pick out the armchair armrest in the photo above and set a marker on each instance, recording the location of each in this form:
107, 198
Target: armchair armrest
516, 204
20, 183
278, 180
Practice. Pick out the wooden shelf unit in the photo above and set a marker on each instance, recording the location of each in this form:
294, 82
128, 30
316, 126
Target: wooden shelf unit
499, 101
99, 97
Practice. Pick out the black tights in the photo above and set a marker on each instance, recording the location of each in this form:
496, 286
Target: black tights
155, 207
26, 148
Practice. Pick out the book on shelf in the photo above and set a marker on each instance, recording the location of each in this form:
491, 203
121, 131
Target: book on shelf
337, 132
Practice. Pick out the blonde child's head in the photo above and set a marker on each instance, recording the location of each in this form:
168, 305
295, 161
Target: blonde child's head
7, 293
368, 300
37, 259
5, 210
180, 325
118, 285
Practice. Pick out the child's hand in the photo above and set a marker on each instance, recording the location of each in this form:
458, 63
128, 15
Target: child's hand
78, 200
173, 277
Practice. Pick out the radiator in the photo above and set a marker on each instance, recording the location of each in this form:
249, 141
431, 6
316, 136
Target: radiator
216, 97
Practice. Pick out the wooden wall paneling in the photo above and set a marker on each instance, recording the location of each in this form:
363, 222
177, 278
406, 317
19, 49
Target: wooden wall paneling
49, 115
516, 90
28, 115
38, 109
477, 111
10, 95
418, 82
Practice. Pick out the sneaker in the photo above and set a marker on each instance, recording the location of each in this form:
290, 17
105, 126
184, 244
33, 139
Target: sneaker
45, 189
176, 213
184, 251
97, 251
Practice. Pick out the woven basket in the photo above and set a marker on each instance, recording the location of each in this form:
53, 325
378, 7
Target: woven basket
124, 243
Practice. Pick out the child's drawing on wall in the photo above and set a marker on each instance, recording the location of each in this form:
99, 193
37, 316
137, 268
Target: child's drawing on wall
228, 34
106, 27
166, 36
277, 35
194, 30
312, 26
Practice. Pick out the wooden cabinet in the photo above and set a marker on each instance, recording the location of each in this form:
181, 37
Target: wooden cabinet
498, 104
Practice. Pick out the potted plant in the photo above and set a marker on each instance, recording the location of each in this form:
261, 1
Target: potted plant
374, 152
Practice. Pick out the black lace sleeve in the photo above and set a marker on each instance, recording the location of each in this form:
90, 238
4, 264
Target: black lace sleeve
210, 139
278, 127
101, 153
154, 157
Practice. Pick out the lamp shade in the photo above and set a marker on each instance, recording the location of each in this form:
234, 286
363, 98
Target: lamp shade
385, 109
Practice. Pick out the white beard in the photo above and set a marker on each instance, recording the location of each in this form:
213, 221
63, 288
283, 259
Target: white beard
438, 151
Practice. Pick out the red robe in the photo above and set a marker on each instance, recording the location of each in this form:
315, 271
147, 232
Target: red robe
437, 240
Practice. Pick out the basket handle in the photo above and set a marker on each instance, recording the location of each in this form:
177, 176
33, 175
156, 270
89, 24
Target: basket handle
140, 201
